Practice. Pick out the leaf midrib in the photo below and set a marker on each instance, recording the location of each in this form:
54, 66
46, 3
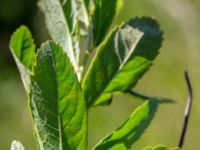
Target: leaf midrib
59, 116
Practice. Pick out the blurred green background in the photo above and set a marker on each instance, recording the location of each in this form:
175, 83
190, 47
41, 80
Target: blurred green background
180, 20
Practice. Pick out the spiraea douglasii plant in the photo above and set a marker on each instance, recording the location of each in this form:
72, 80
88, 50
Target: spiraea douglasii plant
82, 67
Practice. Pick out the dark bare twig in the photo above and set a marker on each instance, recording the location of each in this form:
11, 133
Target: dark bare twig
187, 110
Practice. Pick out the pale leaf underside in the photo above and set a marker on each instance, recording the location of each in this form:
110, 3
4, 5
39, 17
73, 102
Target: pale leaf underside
75, 12
62, 19
58, 27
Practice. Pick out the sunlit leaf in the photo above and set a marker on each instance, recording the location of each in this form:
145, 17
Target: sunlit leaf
131, 130
122, 59
23, 51
57, 102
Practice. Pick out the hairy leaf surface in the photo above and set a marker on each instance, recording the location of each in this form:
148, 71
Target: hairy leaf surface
62, 19
82, 12
103, 15
75, 12
122, 59
57, 102
58, 26
16, 146
131, 130
160, 147
23, 51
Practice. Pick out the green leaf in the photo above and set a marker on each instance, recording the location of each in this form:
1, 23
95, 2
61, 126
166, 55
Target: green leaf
23, 50
102, 17
122, 59
75, 12
59, 27
16, 146
160, 147
62, 19
57, 102
23, 47
131, 130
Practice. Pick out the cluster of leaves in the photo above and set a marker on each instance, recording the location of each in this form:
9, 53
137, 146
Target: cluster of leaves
61, 88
